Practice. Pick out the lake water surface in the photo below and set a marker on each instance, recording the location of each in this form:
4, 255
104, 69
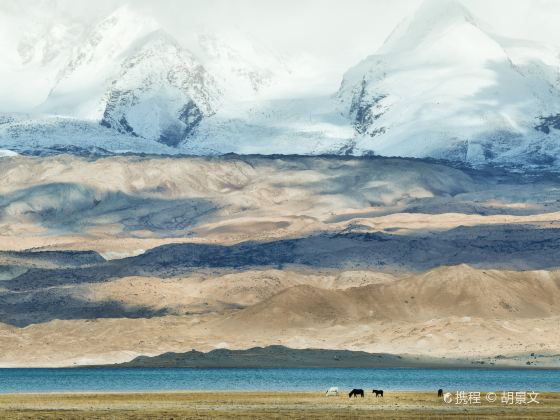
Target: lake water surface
170, 379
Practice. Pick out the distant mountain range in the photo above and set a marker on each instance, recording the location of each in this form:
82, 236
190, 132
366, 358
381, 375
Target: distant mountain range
443, 86
280, 356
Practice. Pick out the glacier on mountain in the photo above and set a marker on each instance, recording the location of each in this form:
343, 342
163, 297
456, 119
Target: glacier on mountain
443, 85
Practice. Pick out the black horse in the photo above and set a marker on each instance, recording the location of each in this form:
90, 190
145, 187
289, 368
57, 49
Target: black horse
440, 392
355, 392
377, 392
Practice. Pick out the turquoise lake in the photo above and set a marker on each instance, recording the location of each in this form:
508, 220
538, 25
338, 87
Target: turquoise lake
144, 379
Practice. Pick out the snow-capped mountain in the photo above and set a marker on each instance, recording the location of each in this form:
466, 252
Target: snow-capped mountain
161, 92
444, 86
132, 77
95, 61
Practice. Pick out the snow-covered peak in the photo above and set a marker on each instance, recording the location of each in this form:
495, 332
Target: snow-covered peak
161, 92
82, 81
444, 86
114, 34
432, 19
130, 75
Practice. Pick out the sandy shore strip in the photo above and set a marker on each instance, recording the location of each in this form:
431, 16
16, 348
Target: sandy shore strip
258, 405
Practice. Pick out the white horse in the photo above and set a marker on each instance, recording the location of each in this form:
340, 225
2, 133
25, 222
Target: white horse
333, 390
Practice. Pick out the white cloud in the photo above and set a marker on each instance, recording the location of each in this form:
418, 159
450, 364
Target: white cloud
337, 34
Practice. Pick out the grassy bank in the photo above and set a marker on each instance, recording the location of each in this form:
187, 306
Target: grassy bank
295, 405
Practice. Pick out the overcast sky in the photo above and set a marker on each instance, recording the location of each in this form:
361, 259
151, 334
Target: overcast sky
320, 24
337, 32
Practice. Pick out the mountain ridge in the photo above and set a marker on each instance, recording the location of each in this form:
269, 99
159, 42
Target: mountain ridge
443, 86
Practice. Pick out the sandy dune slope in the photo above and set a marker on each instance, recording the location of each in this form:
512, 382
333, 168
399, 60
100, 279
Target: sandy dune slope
459, 291
448, 311
123, 205
375, 254
75, 342
238, 289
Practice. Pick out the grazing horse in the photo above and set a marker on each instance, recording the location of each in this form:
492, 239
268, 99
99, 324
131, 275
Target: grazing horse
377, 392
440, 392
355, 392
333, 390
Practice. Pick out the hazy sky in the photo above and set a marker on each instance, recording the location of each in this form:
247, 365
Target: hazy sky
319, 24
337, 32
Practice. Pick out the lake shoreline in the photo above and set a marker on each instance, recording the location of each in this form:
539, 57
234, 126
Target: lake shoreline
395, 404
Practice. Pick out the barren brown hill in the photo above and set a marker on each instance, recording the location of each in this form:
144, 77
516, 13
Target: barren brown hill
206, 291
459, 291
457, 312
244, 251
124, 205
